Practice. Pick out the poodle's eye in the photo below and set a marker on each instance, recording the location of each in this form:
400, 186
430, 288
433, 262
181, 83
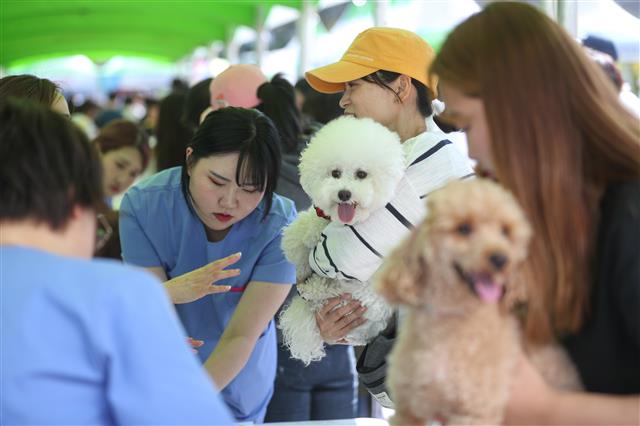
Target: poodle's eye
506, 231
336, 173
464, 228
361, 174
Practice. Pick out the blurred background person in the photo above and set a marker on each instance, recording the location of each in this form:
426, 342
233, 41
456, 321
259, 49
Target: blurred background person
125, 153
172, 134
277, 101
604, 52
236, 86
84, 117
198, 99
320, 108
150, 120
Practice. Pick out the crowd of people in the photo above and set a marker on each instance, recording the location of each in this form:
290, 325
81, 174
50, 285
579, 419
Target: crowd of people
195, 246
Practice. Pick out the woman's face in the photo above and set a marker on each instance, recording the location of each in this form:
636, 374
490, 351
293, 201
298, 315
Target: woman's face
120, 167
362, 98
218, 200
467, 113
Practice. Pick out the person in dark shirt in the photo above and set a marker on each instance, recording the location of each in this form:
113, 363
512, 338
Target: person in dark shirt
324, 390
543, 120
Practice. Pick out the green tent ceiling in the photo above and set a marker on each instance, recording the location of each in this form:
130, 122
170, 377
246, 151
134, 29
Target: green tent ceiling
165, 30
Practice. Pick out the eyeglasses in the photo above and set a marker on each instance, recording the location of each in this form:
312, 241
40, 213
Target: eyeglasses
104, 231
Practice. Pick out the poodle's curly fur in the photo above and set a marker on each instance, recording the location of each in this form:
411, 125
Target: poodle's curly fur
457, 347
350, 168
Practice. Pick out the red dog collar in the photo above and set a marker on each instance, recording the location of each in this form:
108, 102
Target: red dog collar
321, 213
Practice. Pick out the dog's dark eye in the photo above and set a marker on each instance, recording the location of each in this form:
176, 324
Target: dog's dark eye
506, 231
464, 229
336, 173
361, 174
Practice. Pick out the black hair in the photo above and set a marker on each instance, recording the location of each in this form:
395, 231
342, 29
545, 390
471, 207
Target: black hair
304, 87
248, 132
27, 86
179, 85
171, 133
383, 78
278, 102
322, 107
197, 100
445, 126
47, 165
86, 107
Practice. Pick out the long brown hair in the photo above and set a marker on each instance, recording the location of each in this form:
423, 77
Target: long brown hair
559, 136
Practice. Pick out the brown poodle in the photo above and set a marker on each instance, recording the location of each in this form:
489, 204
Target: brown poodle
458, 344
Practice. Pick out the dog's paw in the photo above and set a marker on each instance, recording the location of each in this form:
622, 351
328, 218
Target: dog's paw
301, 236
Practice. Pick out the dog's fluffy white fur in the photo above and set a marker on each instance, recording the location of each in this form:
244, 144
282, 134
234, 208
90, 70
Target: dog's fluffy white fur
350, 168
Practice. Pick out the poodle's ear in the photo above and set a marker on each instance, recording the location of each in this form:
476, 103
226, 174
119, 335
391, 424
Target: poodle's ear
403, 276
516, 295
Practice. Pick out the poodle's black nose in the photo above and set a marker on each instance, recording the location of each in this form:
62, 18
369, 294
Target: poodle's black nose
498, 260
344, 195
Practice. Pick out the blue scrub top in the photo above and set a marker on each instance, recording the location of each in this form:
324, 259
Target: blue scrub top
158, 229
94, 342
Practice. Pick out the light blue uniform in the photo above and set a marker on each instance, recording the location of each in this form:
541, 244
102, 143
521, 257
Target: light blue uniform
94, 342
158, 229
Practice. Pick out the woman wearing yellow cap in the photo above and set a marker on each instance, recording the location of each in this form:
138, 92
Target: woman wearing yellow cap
384, 77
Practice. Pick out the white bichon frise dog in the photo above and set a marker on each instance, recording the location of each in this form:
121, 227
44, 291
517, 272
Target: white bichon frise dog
350, 168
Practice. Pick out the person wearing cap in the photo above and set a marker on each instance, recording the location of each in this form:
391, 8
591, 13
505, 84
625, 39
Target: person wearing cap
384, 76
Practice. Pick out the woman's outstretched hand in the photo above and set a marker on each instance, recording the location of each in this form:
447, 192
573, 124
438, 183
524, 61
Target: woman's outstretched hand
201, 282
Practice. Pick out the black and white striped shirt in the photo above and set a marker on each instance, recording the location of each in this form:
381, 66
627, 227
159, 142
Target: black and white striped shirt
356, 252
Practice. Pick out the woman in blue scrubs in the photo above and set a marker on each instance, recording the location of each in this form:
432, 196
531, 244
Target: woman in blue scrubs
84, 342
186, 224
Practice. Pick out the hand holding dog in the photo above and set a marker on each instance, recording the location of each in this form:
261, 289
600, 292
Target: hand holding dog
336, 322
530, 395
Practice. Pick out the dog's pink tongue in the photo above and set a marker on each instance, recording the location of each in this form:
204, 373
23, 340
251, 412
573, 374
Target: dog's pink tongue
346, 212
486, 289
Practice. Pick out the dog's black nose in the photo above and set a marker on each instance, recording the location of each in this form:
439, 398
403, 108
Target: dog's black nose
498, 260
344, 195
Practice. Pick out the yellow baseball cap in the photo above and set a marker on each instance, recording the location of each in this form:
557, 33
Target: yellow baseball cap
378, 48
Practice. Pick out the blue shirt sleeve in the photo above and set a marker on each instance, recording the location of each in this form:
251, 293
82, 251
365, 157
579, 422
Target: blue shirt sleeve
153, 377
272, 266
136, 246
